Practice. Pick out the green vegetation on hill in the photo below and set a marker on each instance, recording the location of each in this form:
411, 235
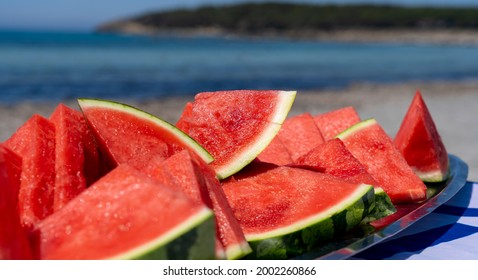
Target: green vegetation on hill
256, 18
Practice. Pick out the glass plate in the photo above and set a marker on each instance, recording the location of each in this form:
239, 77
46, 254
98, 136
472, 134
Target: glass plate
365, 237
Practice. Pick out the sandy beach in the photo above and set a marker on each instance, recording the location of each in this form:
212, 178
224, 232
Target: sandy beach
453, 107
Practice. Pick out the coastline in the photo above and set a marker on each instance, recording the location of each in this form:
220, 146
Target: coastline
452, 105
444, 36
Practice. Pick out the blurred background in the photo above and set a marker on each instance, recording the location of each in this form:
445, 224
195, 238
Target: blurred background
369, 54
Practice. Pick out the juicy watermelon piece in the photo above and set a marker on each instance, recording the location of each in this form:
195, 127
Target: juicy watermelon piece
13, 238
286, 211
275, 153
332, 157
369, 143
187, 173
128, 135
420, 143
34, 141
334, 122
235, 126
126, 215
299, 135
69, 155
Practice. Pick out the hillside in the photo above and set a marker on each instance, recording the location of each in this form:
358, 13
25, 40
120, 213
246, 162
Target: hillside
297, 20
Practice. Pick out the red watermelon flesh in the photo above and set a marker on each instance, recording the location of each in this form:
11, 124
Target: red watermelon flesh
282, 196
121, 211
189, 174
332, 157
275, 153
69, 156
333, 122
300, 134
235, 126
13, 238
369, 143
127, 135
34, 141
420, 143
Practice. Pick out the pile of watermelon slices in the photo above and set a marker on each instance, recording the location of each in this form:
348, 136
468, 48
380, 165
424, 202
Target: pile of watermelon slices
234, 178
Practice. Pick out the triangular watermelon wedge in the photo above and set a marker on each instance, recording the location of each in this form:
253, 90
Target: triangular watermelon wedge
235, 126
69, 155
369, 143
126, 215
126, 134
285, 211
187, 173
13, 238
334, 122
332, 157
420, 143
34, 141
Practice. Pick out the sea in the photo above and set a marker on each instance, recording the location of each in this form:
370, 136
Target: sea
39, 66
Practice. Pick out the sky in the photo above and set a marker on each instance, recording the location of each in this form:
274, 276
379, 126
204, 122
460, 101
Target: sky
84, 15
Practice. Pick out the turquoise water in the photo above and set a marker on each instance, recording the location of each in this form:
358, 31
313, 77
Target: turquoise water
56, 66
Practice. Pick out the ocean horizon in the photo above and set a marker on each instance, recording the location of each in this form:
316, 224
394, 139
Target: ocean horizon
55, 66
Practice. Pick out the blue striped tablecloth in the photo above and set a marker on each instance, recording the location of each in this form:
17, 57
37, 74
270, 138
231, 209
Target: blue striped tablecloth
450, 233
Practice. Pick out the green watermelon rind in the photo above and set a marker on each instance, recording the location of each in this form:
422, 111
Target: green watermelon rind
286, 99
356, 127
237, 251
383, 206
307, 234
113, 105
193, 238
436, 176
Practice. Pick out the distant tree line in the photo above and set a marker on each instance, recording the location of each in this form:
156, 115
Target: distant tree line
254, 18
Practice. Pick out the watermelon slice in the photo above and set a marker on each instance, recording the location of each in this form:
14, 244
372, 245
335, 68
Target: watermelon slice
34, 141
420, 143
13, 239
64, 115
369, 143
187, 173
128, 135
332, 157
69, 155
299, 135
333, 122
286, 211
235, 126
126, 215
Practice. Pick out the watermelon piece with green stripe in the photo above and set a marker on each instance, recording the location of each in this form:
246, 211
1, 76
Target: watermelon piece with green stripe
369, 143
285, 211
332, 157
14, 244
235, 126
126, 215
420, 143
334, 122
125, 134
187, 173
34, 142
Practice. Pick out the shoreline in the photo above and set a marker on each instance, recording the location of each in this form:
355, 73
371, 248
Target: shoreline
452, 105
445, 36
